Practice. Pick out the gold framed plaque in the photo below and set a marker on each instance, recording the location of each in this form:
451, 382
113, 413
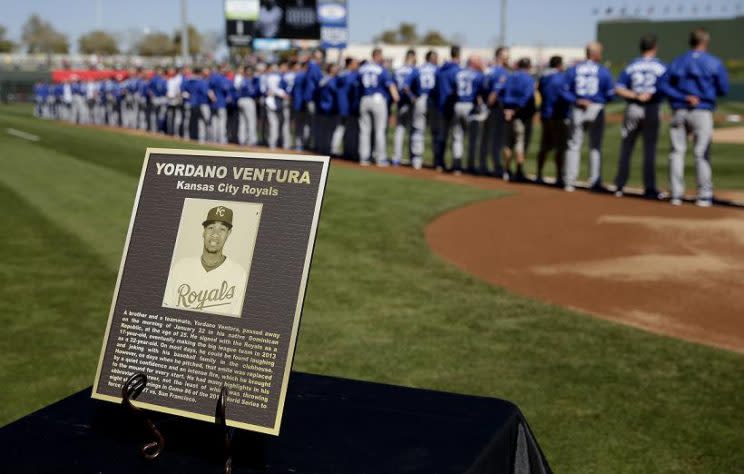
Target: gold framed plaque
212, 282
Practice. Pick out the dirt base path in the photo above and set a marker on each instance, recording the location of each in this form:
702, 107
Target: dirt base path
677, 271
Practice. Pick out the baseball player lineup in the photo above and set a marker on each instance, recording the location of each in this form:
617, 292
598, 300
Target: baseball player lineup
303, 103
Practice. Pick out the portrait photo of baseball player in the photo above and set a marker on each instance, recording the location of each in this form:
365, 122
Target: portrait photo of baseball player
212, 257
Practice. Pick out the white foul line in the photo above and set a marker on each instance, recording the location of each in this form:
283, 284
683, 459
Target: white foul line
24, 135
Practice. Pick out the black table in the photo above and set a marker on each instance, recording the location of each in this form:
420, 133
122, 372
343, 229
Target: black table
330, 425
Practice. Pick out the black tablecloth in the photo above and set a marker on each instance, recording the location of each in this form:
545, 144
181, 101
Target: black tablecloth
330, 425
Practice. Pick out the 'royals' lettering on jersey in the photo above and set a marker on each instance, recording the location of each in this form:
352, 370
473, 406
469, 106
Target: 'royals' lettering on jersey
221, 290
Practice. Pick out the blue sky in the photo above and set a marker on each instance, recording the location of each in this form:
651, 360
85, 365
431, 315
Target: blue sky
472, 22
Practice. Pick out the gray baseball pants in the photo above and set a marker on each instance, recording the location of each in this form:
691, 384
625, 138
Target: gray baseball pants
274, 119
372, 111
592, 121
219, 125
403, 124
698, 123
462, 122
203, 122
337, 139
418, 127
492, 139
286, 125
247, 134
639, 119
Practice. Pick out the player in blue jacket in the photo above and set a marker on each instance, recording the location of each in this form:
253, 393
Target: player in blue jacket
492, 125
637, 84
693, 83
157, 90
553, 118
219, 87
404, 113
313, 76
248, 93
200, 101
444, 100
588, 87
373, 81
300, 115
328, 108
345, 88
518, 99
345, 139
419, 86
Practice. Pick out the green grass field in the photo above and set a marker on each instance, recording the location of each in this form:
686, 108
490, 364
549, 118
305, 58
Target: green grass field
601, 397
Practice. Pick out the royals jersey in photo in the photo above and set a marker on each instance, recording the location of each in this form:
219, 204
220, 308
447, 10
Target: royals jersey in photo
218, 291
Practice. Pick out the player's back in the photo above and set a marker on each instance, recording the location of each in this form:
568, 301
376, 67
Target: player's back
700, 74
468, 83
372, 78
642, 76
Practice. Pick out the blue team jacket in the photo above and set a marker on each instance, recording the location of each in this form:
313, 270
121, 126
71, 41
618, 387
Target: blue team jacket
695, 73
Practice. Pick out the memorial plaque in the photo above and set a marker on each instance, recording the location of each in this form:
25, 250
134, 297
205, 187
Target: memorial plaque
211, 283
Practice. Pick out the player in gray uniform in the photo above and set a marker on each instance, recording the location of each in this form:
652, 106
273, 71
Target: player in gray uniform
588, 87
637, 85
373, 81
693, 83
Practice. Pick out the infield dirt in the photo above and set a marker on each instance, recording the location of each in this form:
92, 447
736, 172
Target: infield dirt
677, 271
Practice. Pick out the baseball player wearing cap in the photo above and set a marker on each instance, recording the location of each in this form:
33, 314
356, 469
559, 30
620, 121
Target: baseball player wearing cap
275, 96
373, 80
588, 87
211, 283
693, 83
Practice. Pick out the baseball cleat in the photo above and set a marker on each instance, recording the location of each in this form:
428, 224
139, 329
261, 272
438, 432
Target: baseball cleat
618, 193
364, 163
418, 163
675, 202
383, 163
568, 188
704, 203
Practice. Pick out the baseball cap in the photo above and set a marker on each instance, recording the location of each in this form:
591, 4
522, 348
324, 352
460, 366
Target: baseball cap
219, 214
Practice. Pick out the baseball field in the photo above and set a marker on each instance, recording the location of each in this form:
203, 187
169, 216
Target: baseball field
460, 284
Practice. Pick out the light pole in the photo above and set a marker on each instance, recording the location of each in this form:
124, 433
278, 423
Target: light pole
502, 24
184, 35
